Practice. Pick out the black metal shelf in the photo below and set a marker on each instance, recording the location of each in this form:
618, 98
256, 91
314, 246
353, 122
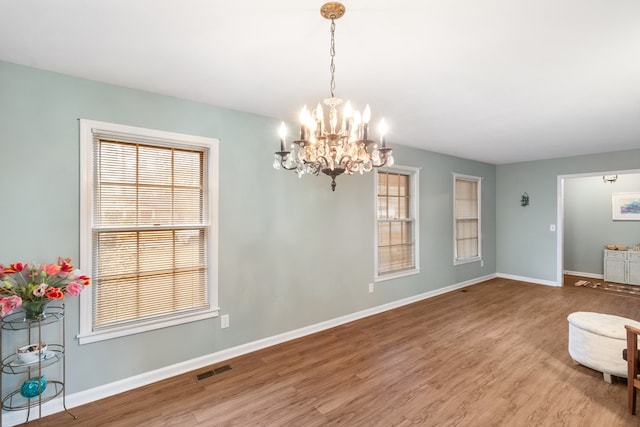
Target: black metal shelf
16, 401
55, 353
17, 321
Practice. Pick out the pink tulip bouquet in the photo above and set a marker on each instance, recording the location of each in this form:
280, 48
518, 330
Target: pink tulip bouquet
34, 283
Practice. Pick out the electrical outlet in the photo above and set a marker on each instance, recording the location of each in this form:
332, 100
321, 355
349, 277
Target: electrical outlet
552, 227
481, 263
370, 287
224, 321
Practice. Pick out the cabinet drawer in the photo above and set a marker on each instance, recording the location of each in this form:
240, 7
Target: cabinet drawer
615, 254
633, 255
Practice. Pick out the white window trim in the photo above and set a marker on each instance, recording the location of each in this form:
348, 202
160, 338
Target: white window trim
415, 207
87, 128
456, 260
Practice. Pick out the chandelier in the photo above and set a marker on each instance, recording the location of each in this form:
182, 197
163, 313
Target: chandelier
336, 143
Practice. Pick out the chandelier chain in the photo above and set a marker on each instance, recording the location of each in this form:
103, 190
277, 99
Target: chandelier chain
332, 51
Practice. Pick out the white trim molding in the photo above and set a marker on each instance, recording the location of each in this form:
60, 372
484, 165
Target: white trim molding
529, 280
582, 274
478, 180
90, 131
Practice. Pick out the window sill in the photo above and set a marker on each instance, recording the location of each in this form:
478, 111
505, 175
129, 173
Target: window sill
467, 260
151, 325
396, 275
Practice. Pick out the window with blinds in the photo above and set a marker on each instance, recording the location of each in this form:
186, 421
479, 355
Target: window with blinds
396, 205
467, 247
150, 229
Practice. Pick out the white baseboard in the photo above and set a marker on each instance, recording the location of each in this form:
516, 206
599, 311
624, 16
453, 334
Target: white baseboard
106, 390
581, 274
529, 279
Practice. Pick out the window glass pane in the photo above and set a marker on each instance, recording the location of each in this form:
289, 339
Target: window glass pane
467, 242
403, 185
115, 205
384, 234
396, 233
117, 162
154, 165
188, 168
393, 184
384, 259
382, 183
401, 257
407, 232
382, 207
154, 206
187, 206
405, 258
403, 208
467, 248
189, 249
393, 207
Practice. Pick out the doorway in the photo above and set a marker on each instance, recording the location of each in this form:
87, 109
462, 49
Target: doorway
585, 223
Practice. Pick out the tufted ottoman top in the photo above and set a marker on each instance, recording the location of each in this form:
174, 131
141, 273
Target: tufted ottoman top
607, 325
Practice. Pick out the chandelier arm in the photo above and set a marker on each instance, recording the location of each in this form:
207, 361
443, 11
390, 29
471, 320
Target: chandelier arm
316, 167
384, 162
383, 159
322, 161
346, 159
283, 155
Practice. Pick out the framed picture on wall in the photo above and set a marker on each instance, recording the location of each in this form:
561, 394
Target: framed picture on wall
626, 206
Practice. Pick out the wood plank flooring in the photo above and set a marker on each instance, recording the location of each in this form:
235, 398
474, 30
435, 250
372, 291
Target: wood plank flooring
493, 354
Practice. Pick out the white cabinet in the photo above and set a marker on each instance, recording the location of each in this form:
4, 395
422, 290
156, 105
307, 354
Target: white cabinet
633, 268
622, 267
615, 266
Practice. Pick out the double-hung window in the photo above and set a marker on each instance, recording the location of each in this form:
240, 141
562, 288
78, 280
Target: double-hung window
396, 234
466, 212
148, 229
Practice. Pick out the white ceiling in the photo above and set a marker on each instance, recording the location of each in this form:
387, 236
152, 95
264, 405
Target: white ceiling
498, 81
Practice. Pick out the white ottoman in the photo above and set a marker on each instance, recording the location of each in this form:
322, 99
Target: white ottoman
596, 340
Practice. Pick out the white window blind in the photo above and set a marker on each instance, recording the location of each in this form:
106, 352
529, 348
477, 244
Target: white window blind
150, 230
466, 218
396, 221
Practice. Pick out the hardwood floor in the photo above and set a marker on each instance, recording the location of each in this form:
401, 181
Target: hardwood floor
493, 354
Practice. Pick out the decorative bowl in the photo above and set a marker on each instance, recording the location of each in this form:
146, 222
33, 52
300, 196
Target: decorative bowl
33, 386
616, 247
31, 353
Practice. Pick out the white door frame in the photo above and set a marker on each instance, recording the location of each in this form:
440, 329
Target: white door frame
560, 213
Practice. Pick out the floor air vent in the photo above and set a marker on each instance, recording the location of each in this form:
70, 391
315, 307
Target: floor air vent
222, 369
217, 371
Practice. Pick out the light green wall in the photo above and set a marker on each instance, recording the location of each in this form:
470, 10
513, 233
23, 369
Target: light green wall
292, 253
525, 246
588, 224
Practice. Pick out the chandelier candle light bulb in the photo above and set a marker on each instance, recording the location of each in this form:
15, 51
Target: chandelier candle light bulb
382, 128
346, 117
283, 134
343, 147
366, 116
